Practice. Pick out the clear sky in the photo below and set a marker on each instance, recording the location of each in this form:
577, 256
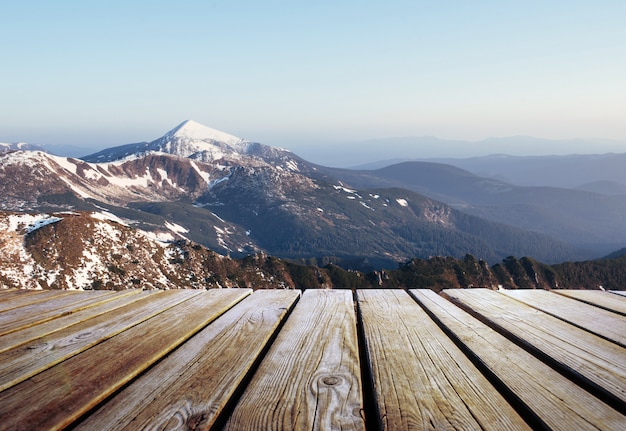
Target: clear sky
104, 73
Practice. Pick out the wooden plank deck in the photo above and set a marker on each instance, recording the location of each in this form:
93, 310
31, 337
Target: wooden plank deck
599, 362
323, 359
606, 300
406, 361
604, 323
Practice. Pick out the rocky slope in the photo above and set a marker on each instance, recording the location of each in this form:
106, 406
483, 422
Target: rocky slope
86, 250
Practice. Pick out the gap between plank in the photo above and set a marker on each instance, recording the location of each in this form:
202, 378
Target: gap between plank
518, 405
373, 420
569, 373
222, 418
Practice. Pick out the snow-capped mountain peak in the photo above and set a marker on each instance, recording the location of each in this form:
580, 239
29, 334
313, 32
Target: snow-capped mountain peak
191, 130
191, 139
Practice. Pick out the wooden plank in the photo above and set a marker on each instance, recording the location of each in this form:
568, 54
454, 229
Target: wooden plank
310, 377
618, 292
421, 379
27, 335
57, 397
604, 323
191, 387
577, 352
23, 297
70, 302
599, 298
557, 402
20, 363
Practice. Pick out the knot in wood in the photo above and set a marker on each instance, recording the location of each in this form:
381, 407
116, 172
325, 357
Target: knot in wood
331, 380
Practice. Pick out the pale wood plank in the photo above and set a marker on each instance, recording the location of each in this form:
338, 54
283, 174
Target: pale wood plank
40, 312
556, 400
21, 298
57, 397
191, 387
26, 335
593, 319
20, 363
421, 379
577, 351
618, 292
310, 377
599, 298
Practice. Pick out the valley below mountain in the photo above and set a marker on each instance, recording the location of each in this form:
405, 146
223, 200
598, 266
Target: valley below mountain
594, 223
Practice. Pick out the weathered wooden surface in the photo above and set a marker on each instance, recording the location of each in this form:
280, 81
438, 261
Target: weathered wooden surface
599, 298
579, 353
43, 311
557, 402
274, 360
604, 323
422, 380
22, 362
618, 292
26, 335
58, 396
14, 298
310, 378
191, 386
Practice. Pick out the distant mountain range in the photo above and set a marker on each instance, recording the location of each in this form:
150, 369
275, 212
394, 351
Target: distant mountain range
589, 218
239, 198
377, 153
602, 173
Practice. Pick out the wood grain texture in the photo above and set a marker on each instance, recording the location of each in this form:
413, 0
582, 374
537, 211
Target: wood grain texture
581, 354
29, 315
606, 300
556, 400
310, 377
20, 298
58, 396
22, 362
601, 322
189, 389
26, 335
421, 379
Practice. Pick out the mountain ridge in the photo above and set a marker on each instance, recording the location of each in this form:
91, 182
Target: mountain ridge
241, 197
98, 250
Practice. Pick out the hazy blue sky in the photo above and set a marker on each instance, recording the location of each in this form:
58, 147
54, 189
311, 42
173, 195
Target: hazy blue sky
104, 73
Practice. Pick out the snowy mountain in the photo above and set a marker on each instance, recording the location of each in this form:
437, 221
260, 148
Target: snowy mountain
238, 197
189, 139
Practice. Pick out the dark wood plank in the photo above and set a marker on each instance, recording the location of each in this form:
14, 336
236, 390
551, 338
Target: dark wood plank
57, 397
310, 378
193, 384
599, 298
559, 403
33, 314
601, 322
20, 363
578, 352
421, 379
